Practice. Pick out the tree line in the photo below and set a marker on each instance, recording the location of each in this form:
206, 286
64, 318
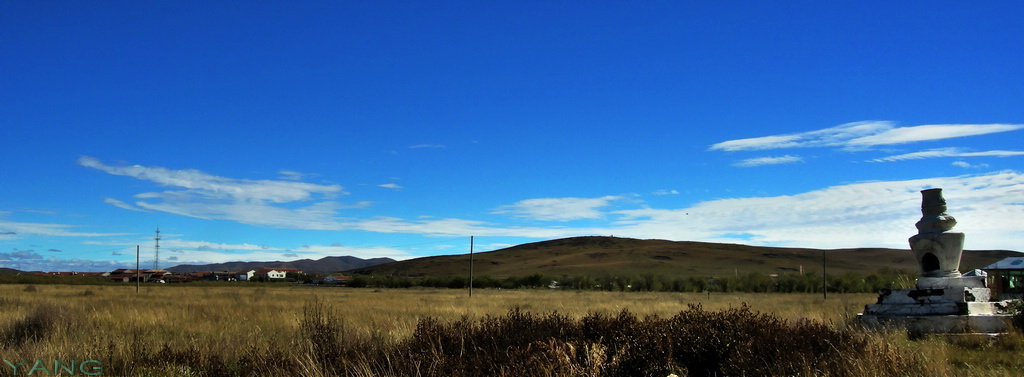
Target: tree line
849, 282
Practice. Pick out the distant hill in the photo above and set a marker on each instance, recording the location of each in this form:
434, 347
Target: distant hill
9, 271
596, 256
322, 265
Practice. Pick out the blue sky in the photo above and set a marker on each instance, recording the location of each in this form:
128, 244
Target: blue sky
287, 130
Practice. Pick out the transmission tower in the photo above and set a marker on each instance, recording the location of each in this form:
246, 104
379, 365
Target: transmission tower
156, 258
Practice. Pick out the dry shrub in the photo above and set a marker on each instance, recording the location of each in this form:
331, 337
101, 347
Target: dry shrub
323, 332
694, 342
1011, 342
1017, 309
519, 343
39, 324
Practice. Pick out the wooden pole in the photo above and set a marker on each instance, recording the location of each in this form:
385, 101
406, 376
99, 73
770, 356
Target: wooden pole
470, 266
824, 278
136, 268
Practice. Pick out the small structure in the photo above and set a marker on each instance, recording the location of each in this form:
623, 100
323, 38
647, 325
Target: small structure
332, 279
130, 275
944, 301
1006, 278
272, 274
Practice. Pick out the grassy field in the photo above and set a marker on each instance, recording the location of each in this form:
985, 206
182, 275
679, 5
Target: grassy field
274, 329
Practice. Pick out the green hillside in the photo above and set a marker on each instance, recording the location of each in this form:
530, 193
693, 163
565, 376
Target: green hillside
597, 256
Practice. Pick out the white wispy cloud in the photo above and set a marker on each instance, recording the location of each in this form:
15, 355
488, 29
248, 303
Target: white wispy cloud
869, 214
430, 146
947, 152
760, 161
204, 245
966, 165
558, 209
859, 135
317, 216
665, 192
214, 186
392, 186
861, 214
929, 132
290, 175
256, 202
833, 136
227, 254
122, 205
54, 264
12, 229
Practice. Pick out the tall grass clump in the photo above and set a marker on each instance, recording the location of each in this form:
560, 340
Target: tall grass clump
40, 323
695, 342
1017, 309
323, 346
519, 343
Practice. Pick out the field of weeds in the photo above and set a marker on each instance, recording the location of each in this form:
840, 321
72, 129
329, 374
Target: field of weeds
276, 330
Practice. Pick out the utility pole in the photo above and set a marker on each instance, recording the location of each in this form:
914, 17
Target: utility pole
824, 278
136, 269
470, 266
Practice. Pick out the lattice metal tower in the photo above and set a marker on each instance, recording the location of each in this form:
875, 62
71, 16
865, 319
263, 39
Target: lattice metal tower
156, 257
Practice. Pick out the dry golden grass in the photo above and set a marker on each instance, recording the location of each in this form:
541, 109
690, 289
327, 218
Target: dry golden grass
111, 321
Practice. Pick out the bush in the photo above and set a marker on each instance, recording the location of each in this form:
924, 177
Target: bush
1017, 308
694, 342
36, 326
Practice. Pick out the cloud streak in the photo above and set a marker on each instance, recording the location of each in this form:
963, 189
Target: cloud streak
860, 214
122, 205
859, 135
930, 132
214, 186
761, 161
833, 136
557, 209
226, 253
254, 202
19, 229
870, 214
947, 152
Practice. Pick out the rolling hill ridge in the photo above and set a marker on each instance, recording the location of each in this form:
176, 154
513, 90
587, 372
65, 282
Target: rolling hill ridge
597, 256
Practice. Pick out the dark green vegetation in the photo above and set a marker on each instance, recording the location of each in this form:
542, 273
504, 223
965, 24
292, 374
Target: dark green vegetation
613, 256
68, 280
848, 282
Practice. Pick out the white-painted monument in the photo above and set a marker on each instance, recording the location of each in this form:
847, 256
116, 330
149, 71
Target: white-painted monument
944, 301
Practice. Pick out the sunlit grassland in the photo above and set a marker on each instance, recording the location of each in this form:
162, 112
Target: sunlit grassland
113, 321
